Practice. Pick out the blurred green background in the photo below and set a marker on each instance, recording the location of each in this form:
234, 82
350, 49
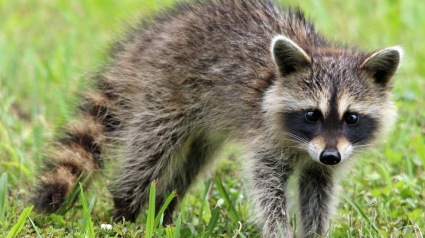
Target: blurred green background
47, 48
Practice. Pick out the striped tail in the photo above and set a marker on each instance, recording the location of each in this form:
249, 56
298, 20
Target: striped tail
78, 151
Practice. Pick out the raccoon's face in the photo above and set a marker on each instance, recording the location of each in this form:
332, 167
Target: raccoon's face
332, 102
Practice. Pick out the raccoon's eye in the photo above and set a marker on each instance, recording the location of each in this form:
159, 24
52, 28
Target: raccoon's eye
312, 116
351, 119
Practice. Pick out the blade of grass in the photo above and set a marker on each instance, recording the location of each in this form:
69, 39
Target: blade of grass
67, 205
3, 196
385, 174
361, 212
204, 196
161, 227
20, 224
151, 211
169, 232
232, 211
162, 210
35, 228
280, 230
203, 234
178, 227
213, 222
87, 212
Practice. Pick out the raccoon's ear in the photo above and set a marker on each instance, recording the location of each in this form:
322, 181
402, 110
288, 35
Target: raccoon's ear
382, 65
288, 56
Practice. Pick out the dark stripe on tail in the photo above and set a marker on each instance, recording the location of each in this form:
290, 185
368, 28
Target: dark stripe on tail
86, 141
102, 114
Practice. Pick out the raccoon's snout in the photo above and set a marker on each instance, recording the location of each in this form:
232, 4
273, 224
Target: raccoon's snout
330, 157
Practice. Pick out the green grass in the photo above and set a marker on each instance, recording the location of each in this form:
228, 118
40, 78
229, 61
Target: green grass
46, 48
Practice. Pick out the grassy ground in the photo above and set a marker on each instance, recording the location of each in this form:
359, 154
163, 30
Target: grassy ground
47, 46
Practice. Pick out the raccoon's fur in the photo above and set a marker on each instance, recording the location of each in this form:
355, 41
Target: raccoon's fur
177, 88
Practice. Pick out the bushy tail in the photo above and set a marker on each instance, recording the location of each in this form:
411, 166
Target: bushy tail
78, 150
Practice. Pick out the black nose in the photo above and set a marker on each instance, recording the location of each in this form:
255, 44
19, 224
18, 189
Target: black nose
330, 157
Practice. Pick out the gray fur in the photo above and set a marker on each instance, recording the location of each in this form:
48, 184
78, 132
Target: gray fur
180, 87
316, 187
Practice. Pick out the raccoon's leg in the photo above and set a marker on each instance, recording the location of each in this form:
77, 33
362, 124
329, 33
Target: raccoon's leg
162, 159
149, 155
316, 192
269, 173
199, 154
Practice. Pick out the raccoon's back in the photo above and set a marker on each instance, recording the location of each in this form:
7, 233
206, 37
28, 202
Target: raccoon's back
207, 54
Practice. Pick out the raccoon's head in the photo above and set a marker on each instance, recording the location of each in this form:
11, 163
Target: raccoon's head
329, 102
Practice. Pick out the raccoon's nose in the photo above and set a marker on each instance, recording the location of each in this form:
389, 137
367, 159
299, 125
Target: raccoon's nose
330, 157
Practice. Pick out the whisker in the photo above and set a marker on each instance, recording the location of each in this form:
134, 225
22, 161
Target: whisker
298, 137
359, 146
360, 138
298, 147
294, 140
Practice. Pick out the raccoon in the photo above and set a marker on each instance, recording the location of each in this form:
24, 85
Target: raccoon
181, 85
